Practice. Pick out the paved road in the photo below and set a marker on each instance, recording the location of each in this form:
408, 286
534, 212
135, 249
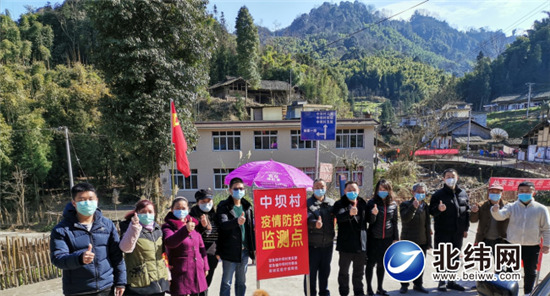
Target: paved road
283, 286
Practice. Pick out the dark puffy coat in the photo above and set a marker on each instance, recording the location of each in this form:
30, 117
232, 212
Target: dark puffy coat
410, 219
186, 257
384, 224
323, 237
70, 239
484, 217
352, 233
455, 218
229, 245
209, 237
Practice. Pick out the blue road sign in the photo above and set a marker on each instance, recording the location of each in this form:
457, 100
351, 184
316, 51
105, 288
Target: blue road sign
318, 125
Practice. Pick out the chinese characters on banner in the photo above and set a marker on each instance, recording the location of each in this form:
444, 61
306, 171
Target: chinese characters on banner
281, 232
511, 184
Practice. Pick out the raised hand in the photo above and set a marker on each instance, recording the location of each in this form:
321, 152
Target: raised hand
204, 221
416, 203
319, 223
190, 224
375, 210
475, 208
135, 219
88, 256
495, 208
241, 219
442, 207
353, 210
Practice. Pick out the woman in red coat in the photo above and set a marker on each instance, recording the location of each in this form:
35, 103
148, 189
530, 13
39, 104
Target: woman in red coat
185, 249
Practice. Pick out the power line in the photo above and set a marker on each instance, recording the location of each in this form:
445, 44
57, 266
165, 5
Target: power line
77, 159
367, 27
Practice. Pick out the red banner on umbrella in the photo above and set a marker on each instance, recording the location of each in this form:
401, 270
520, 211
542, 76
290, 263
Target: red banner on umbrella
436, 152
281, 232
511, 184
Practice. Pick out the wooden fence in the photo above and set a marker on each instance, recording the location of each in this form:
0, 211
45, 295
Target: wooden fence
25, 261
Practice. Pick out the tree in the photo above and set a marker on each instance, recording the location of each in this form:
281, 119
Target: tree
387, 116
248, 43
150, 52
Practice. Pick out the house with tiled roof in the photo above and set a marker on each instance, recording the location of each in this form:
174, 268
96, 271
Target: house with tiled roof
270, 92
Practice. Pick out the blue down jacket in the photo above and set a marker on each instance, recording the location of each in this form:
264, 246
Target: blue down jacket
70, 239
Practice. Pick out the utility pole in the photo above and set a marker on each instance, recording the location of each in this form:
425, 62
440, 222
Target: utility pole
71, 182
529, 97
469, 130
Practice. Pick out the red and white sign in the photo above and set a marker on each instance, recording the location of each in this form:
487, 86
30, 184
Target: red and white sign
326, 171
511, 184
281, 232
436, 152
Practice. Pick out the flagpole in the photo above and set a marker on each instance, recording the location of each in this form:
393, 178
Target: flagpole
172, 150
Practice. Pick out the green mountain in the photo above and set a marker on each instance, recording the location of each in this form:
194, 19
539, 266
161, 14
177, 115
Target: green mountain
423, 38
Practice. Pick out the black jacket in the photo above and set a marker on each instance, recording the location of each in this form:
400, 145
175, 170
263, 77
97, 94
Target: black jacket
229, 245
323, 237
352, 233
209, 237
410, 219
383, 225
456, 218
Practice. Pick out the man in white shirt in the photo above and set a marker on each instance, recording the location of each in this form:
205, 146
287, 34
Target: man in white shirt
529, 221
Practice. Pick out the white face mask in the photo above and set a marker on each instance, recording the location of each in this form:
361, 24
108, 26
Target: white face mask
451, 182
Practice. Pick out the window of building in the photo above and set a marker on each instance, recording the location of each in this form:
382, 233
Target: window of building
224, 141
265, 140
310, 172
219, 178
350, 138
356, 176
297, 143
185, 183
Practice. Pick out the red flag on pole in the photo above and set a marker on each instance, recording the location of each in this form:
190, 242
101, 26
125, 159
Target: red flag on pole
180, 144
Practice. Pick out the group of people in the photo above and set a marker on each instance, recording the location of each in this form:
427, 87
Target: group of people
86, 245
178, 257
366, 229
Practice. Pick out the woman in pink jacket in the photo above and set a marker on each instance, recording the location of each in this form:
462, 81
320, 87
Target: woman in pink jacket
185, 249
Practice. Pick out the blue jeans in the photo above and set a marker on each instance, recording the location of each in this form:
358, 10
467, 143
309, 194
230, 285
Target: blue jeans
239, 269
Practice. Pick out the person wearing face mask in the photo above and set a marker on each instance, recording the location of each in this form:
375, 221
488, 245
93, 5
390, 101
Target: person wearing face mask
185, 250
529, 221
236, 241
207, 227
351, 242
382, 232
415, 218
489, 230
143, 245
450, 208
85, 246
320, 223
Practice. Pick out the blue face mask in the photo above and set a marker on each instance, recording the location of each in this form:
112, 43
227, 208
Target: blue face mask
352, 195
206, 207
383, 194
494, 196
86, 207
238, 194
420, 196
525, 197
146, 219
181, 214
319, 192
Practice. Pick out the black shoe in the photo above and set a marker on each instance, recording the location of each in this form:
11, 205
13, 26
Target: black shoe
382, 292
441, 288
474, 287
370, 293
455, 286
420, 289
404, 290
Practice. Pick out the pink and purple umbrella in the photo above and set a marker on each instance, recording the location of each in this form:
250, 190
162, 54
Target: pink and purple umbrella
270, 174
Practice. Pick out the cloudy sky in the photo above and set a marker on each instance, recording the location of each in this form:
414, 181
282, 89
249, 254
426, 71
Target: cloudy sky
461, 14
